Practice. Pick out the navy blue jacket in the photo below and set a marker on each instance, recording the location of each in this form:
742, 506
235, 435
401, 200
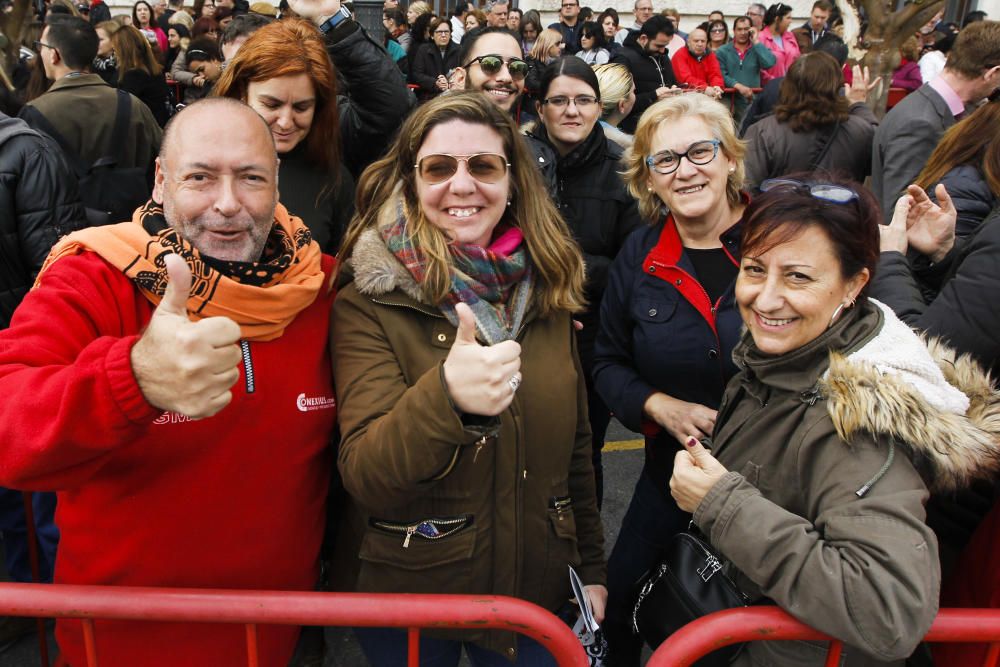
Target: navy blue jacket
659, 332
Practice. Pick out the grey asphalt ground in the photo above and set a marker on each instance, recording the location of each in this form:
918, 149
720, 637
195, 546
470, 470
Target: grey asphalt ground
622, 464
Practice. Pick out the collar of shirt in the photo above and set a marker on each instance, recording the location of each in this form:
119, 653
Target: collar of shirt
951, 98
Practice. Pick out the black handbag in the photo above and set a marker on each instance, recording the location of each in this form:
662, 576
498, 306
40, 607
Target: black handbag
686, 584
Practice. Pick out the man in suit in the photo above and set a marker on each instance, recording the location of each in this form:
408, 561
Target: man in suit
909, 133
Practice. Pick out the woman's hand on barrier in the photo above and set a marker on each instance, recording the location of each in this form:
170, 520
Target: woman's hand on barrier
598, 596
930, 227
481, 379
680, 418
313, 10
695, 472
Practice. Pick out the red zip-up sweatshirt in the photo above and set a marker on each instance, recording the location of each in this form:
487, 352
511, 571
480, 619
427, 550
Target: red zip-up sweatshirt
147, 498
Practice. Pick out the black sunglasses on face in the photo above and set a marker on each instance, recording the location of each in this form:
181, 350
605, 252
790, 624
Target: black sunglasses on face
492, 64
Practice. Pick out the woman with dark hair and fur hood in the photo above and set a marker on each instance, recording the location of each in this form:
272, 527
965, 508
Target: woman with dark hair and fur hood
466, 448
829, 439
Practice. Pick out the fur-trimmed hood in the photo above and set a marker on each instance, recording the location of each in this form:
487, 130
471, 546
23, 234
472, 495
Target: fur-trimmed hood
941, 405
375, 269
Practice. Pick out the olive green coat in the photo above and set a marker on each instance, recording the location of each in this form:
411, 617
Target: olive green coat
519, 489
823, 508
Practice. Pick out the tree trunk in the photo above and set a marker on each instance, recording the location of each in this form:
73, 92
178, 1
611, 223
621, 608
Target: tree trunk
12, 26
878, 49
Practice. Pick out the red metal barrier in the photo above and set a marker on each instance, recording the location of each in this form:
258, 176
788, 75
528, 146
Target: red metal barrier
699, 638
251, 608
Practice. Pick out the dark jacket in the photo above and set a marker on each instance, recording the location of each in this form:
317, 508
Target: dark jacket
600, 213
774, 149
649, 72
427, 64
971, 195
522, 496
660, 333
831, 449
570, 35
151, 90
964, 311
374, 100
100, 12
903, 142
324, 204
38, 204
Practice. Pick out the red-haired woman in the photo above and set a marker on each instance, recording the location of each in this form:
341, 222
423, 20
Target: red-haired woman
285, 73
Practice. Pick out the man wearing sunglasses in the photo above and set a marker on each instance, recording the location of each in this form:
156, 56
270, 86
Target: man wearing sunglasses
492, 63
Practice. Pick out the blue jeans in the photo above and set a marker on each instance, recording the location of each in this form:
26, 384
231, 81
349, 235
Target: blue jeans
387, 647
14, 532
650, 523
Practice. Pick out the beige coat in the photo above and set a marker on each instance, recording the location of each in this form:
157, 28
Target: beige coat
830, 462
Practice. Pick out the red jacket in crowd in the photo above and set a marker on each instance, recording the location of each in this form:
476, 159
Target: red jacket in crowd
697, 72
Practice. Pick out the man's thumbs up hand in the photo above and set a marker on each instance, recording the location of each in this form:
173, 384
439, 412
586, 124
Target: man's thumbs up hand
480, 379
695, 472
183, 366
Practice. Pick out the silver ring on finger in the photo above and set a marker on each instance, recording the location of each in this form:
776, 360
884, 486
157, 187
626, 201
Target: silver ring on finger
514, 381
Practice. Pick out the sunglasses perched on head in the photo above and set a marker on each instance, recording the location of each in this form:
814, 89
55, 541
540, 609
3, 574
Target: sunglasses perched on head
492, 63
484, 167
836, 194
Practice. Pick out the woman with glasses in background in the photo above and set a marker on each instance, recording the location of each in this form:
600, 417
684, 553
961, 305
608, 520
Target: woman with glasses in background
668, 322
718, 35
827, 442
432, 62
592, 199
592, 45
461, 399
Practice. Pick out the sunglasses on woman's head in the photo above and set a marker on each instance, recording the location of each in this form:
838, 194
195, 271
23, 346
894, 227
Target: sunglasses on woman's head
484, 167
836, 194
492, 63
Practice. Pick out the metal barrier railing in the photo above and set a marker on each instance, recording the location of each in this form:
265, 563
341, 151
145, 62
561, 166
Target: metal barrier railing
732, 626
252, 608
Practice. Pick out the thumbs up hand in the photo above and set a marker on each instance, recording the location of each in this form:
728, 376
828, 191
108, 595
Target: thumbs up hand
695, 472
481, 379
183, 366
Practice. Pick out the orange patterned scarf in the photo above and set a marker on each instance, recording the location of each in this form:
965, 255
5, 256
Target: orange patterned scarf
262, 297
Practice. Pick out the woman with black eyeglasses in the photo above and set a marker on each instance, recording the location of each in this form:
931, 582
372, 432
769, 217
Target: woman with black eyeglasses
668, 322
592, 199
828, 440
462, 404
432, 61
593, 49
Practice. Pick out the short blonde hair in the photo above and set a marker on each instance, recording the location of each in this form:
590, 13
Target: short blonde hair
419, 7
670, 110
616, 84
181, 18
545, 41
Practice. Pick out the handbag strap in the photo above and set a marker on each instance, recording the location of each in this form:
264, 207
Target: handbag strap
825, 147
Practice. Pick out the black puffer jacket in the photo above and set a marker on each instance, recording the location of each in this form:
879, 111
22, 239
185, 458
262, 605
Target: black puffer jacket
38, 204
971, 195
374, 99
600, 213
649, 72
964, 310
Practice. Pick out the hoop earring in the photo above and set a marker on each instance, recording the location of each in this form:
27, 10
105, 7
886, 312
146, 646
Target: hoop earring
840, 307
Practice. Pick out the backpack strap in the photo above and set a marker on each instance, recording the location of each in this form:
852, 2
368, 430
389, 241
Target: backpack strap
115, 155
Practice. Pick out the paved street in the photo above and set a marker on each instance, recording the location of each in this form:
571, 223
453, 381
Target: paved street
622, 463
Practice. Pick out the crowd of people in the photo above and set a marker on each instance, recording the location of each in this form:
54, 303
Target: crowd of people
377, 237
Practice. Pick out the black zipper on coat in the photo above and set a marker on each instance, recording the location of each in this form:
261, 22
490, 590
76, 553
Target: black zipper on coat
248, 366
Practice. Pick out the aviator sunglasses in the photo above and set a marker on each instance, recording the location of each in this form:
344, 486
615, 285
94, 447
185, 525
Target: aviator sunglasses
491, 64
484, 167
836, 194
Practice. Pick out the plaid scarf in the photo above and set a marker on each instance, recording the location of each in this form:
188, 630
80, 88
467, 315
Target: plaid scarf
495, 282
263, 297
